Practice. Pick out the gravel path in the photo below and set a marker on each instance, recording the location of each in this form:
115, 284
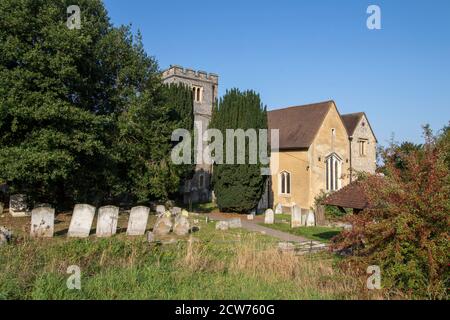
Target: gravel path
253, 225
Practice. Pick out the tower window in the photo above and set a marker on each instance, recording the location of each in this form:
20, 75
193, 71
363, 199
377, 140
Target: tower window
285, 182
197, 93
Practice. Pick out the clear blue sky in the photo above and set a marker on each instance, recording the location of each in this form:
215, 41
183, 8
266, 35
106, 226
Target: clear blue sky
297, 52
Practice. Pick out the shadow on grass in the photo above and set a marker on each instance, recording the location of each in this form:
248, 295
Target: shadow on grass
328, 235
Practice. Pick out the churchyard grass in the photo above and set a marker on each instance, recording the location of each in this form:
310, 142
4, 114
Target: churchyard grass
232, 264
318, 233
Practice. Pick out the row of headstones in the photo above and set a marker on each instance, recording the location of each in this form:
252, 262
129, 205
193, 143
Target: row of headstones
299, 217
43, 218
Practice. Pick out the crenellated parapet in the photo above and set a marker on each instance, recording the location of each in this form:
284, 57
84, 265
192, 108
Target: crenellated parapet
175, 70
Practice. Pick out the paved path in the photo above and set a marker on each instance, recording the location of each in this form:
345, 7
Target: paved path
253, 225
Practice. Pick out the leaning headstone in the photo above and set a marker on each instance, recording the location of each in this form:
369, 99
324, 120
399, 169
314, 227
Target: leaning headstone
296, 218
42, 222
310, 219
269, 216
160, 210
181, 226
107, 221
18, 206
5, 236
222, 225
162, 226
82, 217
235, 223
279, 209
175, 211
137, 222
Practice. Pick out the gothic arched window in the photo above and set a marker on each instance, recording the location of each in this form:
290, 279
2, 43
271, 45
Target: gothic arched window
285, 182
333, 173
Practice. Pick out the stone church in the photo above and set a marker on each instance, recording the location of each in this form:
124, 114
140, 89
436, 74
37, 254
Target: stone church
320, 149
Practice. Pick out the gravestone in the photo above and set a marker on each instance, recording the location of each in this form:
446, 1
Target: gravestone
250, 216
305, 213
175, 211
5, 235
1, 208
107, 221
82, 217
279, 209
42, 222
181, 226
160, 210
137, 222
296, 218
222, 225
269, 216
150, 237
18, 206
235, 223
310, 219
162, 226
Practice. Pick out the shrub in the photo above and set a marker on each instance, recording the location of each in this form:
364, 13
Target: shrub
406, 230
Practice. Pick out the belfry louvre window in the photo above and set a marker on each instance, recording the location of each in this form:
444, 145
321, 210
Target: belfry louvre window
333, 173
285, 182
197, 92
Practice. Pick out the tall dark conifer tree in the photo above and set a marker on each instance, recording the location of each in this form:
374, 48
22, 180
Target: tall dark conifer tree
238, 187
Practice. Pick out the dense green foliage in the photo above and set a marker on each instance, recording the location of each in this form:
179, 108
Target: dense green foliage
83, 113
238, 187
406, 232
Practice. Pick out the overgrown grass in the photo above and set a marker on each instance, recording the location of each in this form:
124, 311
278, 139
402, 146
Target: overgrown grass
209, 265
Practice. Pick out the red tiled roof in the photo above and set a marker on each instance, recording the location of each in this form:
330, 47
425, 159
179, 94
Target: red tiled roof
350, 196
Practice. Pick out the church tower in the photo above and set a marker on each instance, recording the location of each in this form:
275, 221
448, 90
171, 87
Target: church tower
204, 92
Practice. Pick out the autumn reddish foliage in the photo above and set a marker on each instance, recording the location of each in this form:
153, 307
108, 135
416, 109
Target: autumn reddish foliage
406, 229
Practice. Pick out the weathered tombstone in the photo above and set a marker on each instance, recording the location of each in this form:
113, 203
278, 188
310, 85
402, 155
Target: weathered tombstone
18, 206
222, 225
269, 216
107, 221
250, 216
175, 211
162, 226
296, 218
160, 210
1, 208
82, 217
279, 209
310, 219
150, 237
181, 226
42, 222
5, 236
235, 223
137, 222
305, 213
